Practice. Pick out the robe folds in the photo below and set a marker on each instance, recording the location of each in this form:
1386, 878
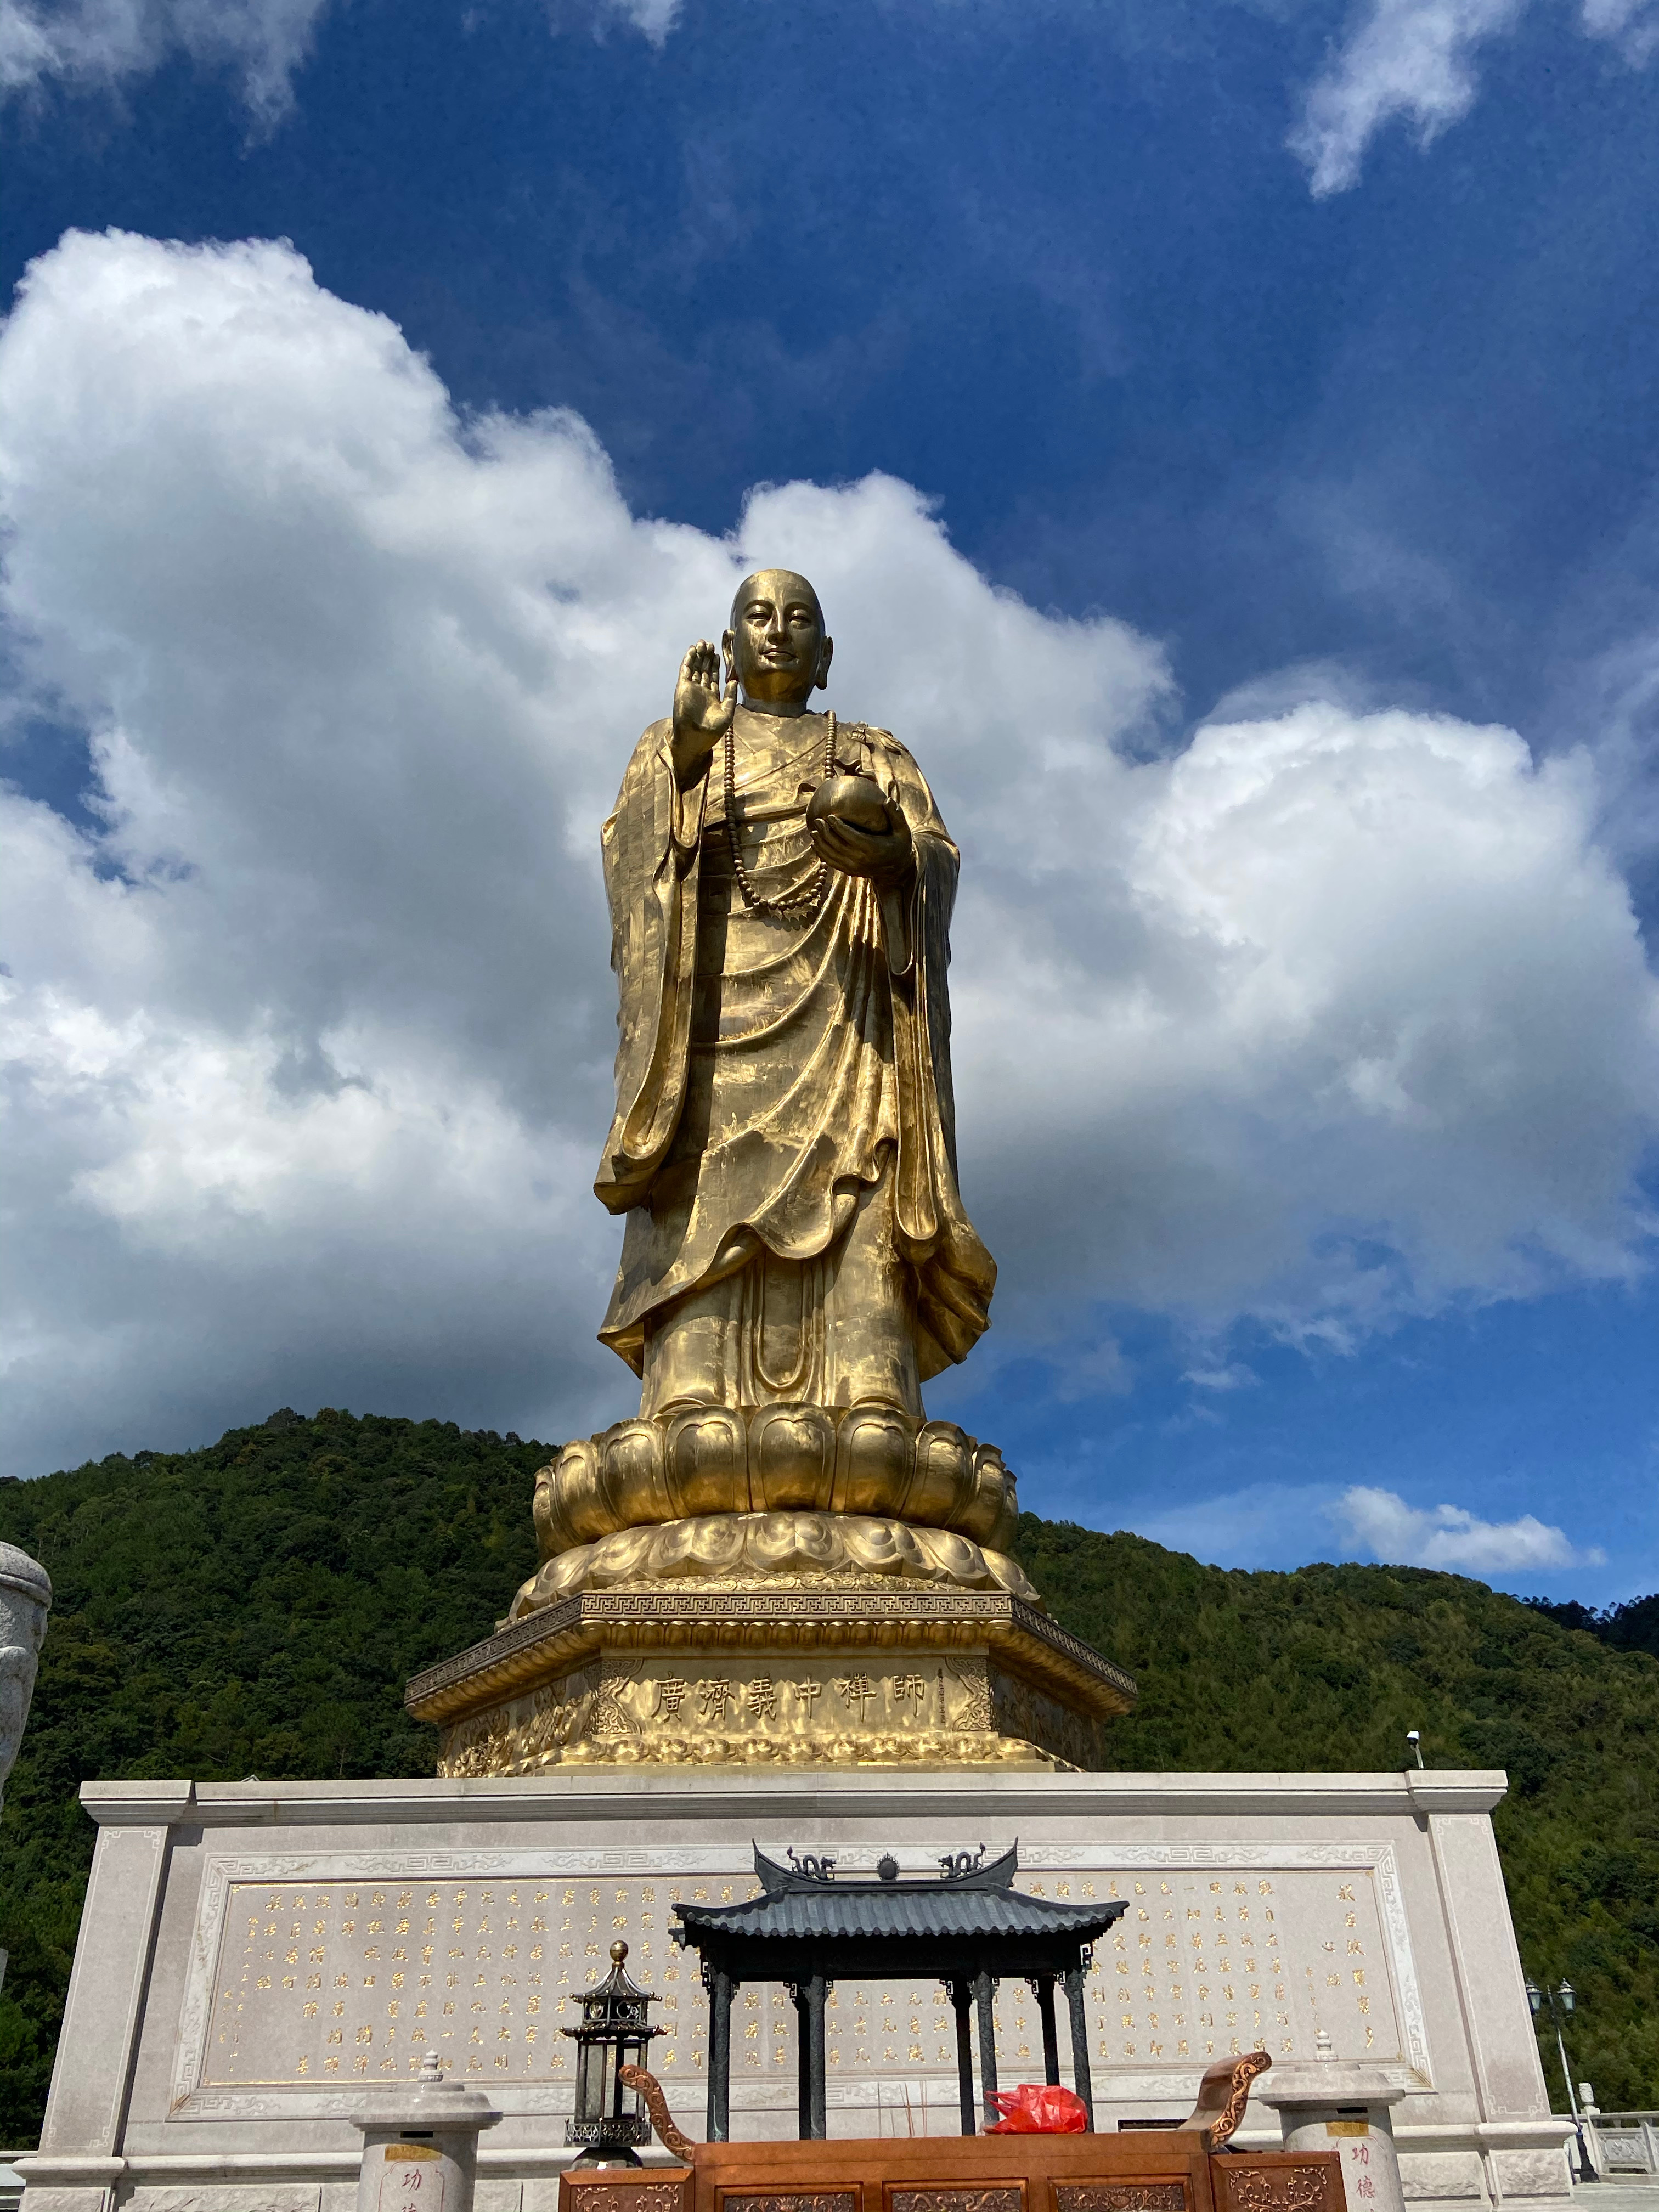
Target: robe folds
783, 1148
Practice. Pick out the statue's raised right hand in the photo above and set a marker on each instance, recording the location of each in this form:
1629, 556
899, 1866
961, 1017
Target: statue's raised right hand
701, 716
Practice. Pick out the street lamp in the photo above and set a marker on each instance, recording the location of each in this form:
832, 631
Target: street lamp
1561, 2000
610, 2118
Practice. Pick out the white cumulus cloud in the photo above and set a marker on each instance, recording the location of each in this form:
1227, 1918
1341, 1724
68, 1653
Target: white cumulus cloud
1409, 58
103, 44
1231, 1374
1415, 62
95, 44
1329, 1019
1448, 1536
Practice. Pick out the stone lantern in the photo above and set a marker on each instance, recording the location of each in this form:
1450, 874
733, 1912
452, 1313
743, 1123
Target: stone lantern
421, 2144
1331, 2104
609, 2118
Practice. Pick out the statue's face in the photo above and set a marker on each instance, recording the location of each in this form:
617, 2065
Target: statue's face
776, 641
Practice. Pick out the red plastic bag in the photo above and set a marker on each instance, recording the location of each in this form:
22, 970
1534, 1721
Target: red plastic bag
1038, 2108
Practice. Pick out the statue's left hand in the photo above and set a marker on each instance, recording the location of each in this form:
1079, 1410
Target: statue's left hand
882, 855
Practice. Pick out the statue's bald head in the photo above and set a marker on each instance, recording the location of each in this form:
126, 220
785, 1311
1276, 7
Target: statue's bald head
776, 642
776, 585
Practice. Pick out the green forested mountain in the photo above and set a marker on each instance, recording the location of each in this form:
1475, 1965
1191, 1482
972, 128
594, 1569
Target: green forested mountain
1633, 1626
255, 1607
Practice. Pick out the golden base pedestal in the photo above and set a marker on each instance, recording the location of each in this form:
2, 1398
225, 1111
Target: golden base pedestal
757, 1676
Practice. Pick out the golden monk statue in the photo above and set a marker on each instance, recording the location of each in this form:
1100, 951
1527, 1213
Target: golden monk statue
796, 1260
783, 1151
779, 1557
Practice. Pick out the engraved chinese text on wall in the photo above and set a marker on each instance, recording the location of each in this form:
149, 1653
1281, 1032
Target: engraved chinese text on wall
357, 1980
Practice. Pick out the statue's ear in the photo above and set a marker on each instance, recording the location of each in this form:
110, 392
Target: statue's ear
821, 674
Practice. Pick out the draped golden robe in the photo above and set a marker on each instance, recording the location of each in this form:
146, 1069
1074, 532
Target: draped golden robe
784, 1145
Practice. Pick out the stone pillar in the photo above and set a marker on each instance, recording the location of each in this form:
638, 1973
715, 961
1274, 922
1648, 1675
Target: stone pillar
718, 2127
962, 1996
1082, 2081
817, 1989
421, 2144
1043, 1987
1326, 2104
985, 1991
79, 2165
803, 2061
25, 1602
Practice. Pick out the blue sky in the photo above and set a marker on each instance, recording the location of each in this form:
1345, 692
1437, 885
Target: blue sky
1264, 355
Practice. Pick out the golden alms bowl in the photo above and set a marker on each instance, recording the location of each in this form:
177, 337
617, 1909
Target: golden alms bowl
853, 799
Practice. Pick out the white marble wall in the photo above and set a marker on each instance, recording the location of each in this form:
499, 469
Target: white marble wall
256, 1958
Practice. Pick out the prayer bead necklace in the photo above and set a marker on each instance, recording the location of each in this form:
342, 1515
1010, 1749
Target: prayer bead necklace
812, 894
